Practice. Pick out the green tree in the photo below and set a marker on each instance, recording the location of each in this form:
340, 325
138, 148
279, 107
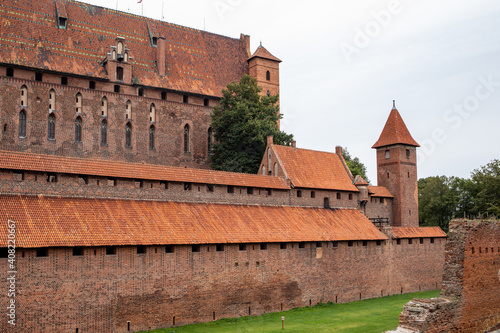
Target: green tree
355, 165
241, 123
485, 188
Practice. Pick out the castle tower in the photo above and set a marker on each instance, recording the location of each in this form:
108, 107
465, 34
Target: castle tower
265, 68
397, 169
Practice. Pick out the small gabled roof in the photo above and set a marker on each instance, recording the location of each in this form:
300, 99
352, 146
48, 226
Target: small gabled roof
359, 181
261, 52
314, 169
54, 221
395, 132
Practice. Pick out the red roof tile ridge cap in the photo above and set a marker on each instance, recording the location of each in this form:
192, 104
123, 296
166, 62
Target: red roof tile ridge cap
306, 149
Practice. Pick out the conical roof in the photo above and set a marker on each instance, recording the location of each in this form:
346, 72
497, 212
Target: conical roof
261, 52
395, 132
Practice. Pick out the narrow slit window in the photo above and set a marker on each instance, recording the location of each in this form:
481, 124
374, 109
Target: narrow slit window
22, 124
151, 137
128, 135
51, 127
78, 129
104, 132
186, 139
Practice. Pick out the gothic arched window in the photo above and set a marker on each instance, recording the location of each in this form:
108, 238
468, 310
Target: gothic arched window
128, 135
78, 129
151, 137
104, 132
51, 132
22, 124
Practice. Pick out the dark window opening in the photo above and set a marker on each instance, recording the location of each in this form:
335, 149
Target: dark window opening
169, 249
408, 175
5, 127
410, 241
119, 74
110, 250
139, 183
64, 80
365, 243
407, 153
398, 241
339, 196
326, 203
51, 178
387, 154
269, 192
52, 127
230, 189
104, 132
379, 243
141, 249
152, 137
78, 129
185, 99
302, 245
128, 135
92, 85
432, 240
313, 194
210, 187
350, 196
10, 72
163, 95
43, 252
268, 76
62, 21
282, 246
117, 88
186, 139
243, 247
268, 93
140, 92
84, 178
381, 200
249, 190
263, 246
196, 248
154, 41
299, 194
38, 76
4, 253
78, 251
335, 244
350, 243
219, 247
205, 101
421, 240
187, 186
387, 175
18, 175
22, 124
319, 244
112, 181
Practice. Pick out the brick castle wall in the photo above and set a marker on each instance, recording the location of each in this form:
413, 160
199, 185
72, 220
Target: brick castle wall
470, 299
96, 292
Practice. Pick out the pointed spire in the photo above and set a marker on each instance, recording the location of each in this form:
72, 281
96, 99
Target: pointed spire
261, 52
395, 131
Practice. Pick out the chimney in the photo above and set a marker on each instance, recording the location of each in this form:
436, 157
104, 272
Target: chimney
269, 140
160, 55
294, 144
246, 43
338, 150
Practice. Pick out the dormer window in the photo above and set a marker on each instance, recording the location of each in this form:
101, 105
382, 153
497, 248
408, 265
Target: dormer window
154, 41
61, 22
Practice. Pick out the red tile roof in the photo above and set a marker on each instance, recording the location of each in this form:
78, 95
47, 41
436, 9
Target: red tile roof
196, 61
360, 181
395, 132
380, 191
262, 52
314, 169
54, 221
401, 232
71, 165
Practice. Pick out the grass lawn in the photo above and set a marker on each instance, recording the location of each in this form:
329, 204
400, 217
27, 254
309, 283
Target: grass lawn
369, 316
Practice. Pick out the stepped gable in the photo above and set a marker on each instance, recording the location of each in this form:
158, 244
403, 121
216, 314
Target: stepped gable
55, 221
314, 169
196, 61
379, 191
77, 166
395, 132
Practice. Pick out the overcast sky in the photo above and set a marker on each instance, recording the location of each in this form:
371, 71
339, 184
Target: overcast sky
345, 61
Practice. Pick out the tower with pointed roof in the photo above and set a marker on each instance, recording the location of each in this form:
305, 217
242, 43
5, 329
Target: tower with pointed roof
264, 67
397, 169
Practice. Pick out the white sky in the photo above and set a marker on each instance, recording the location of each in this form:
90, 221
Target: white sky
345, 61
